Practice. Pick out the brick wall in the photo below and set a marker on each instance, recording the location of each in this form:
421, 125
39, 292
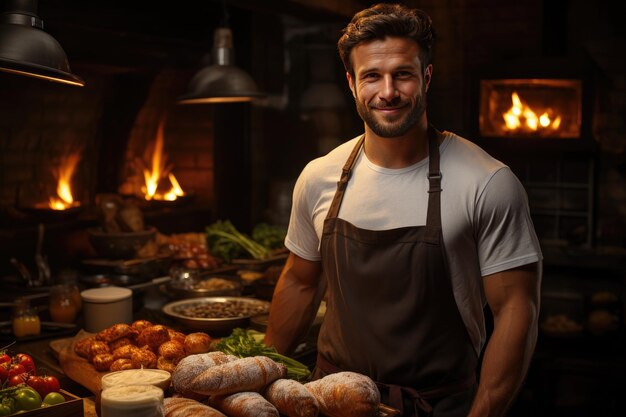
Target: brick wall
40, 123
188, 136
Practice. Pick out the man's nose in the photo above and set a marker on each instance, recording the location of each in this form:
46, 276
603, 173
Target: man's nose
388, 90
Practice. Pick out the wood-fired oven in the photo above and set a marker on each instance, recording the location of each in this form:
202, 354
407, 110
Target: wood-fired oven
530, 108
539, 125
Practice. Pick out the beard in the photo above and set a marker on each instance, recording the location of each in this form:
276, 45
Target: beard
391, 128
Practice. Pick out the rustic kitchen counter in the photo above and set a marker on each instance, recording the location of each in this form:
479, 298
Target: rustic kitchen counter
46, 358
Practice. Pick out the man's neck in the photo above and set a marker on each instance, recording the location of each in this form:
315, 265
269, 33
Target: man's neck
398, 152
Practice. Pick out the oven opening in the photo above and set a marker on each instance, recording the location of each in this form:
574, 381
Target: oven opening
530, 108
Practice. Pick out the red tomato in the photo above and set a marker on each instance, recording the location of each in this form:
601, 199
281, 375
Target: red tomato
18, 379
9, 370
4, 357
38, 384
52, 383
26, 361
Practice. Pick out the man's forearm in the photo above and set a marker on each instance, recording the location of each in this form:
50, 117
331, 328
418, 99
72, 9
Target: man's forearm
294, 306
506, 360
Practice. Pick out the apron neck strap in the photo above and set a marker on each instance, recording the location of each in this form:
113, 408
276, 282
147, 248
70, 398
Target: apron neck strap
433, 216
346, 172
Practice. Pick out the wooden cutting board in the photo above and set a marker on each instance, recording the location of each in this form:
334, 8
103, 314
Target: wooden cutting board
75, 367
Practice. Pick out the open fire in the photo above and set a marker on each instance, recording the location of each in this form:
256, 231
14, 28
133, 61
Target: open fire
64, 198
530, 108
153, 188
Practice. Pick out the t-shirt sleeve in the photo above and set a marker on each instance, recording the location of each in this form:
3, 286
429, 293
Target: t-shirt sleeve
505, 233
301, 237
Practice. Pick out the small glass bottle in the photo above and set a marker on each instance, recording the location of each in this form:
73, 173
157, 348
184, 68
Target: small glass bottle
62, 305
25, 319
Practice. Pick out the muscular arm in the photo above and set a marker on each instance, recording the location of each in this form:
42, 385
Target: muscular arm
513, 297
294, 304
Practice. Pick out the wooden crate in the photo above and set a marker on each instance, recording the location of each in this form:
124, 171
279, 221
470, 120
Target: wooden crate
72, 407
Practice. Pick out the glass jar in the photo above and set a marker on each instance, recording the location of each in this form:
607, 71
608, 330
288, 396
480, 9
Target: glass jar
63, 305
24, 319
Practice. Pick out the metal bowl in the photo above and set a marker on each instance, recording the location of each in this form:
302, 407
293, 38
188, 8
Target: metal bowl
122, 245
178, 290
215, 326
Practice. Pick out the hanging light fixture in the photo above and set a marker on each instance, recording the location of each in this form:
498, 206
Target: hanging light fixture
222, 81
25, 48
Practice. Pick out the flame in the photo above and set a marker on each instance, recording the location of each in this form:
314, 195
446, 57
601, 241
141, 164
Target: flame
521, 116
64, 174
153, 177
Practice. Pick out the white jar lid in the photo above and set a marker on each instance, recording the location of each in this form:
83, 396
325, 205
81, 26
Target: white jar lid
106, 294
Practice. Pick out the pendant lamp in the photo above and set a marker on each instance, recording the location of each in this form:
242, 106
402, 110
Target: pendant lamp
221, 82
25, 49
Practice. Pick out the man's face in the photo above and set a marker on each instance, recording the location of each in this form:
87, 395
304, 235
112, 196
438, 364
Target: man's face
388, 86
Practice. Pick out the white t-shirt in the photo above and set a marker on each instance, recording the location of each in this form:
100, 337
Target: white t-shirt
484, 213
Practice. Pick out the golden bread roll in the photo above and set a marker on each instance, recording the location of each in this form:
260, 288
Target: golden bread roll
121, 365
172, 350
197, 343
102, 362
346, 394
246, 374
186, 407
291, 398
124, 352
97, 348
177, 336
143, 358
123, 341
244, 404
168, 365
191, 366
81, 348
153, 336
139, 325
115, 332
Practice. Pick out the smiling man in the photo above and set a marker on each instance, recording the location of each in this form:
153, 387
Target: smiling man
409, 232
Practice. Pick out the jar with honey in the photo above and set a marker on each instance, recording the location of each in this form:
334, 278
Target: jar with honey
24, 319
63, 304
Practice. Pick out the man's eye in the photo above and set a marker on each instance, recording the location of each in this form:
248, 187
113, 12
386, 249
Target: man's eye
370, 76
403, 74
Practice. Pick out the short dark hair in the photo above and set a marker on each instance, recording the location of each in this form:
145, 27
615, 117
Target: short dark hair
382, 20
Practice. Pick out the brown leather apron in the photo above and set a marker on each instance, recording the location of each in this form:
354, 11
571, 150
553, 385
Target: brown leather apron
391, 312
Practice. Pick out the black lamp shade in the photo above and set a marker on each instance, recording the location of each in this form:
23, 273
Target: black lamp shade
220, 84
28, 50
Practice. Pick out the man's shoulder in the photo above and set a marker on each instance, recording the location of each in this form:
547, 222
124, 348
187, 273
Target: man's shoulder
333, 160
467, 155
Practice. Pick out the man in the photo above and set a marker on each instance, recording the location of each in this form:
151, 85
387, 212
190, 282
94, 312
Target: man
408, 232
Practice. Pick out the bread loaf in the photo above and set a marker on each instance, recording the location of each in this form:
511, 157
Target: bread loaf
247, 374
244, 404
346, 394
291, 398
185, 407
191, 366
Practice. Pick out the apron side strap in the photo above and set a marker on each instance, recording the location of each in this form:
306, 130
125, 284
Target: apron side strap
396, 395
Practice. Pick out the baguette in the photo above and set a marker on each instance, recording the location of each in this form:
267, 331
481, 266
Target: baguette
247, 374
346, 394
291, 398
185, 407
244, 404
191, 366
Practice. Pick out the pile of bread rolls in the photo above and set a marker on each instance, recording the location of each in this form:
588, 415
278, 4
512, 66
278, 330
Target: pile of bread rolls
216, 385
140, 345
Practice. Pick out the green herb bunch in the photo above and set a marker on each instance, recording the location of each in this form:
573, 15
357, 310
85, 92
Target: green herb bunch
228, 243
242, 343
